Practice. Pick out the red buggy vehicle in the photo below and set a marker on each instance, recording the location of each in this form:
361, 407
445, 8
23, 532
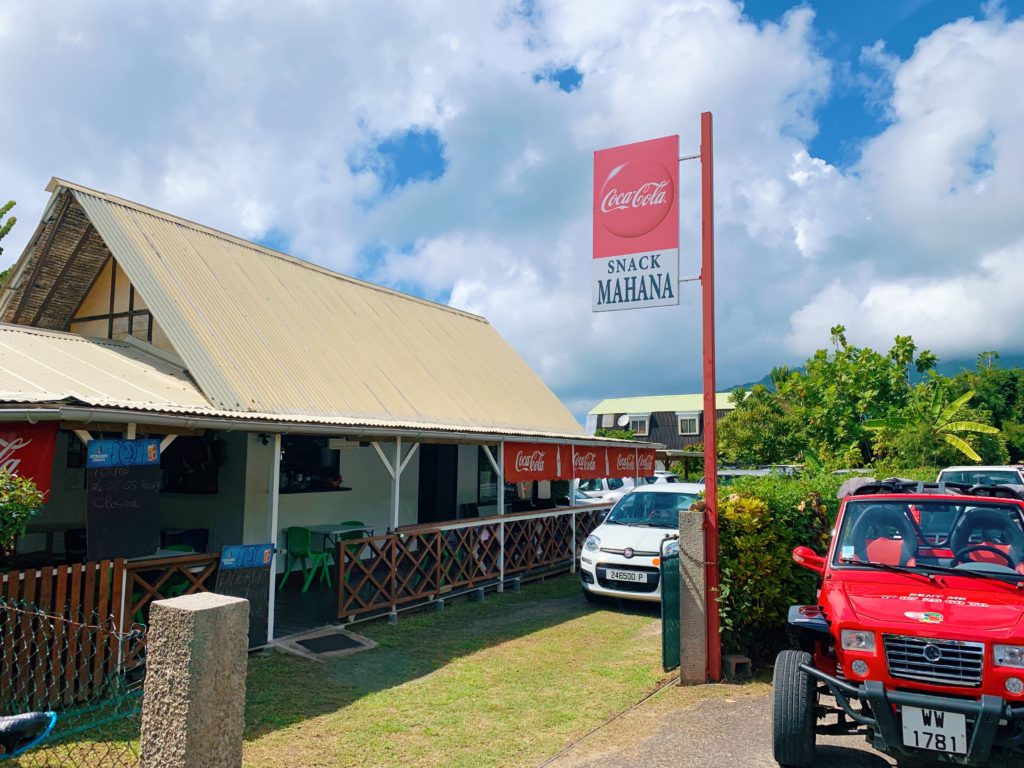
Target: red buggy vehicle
917, 640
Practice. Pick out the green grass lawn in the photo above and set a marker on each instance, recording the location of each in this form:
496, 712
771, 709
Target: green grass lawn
506, 682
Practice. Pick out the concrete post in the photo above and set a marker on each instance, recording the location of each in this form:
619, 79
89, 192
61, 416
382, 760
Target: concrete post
193, 707
693, 644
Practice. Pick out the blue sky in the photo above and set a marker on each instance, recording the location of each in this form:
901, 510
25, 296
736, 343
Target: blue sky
842, 29
867, 167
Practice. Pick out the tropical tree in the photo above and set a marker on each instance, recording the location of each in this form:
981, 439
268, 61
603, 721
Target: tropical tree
843, 387
761, 429
929, 419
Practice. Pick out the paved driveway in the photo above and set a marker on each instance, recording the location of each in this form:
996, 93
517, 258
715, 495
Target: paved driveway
729, 730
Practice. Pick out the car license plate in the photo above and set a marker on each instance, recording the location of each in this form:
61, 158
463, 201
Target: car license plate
637, 576
934, 729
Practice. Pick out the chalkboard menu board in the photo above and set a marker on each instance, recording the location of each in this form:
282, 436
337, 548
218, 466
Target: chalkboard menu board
245, 572
122, 511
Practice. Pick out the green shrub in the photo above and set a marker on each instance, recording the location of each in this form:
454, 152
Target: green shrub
19, 500
761, 521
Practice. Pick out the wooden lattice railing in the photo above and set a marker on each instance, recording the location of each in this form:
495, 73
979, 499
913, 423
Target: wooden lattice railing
159, 578
416, 564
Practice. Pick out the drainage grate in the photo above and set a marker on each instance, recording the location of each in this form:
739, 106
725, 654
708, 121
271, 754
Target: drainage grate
336, 641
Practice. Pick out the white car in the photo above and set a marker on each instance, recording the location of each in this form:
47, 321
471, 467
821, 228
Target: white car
621, 557
662, 476
605, 488
975, 475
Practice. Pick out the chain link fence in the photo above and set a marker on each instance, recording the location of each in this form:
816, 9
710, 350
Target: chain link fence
84, 668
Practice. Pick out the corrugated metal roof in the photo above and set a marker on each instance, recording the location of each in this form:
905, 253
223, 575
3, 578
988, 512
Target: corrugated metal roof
46, 366
661, 404
266, 333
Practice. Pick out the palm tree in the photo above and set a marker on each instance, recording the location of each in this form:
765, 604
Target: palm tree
940, 420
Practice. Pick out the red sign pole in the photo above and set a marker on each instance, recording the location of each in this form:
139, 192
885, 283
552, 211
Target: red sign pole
710, 404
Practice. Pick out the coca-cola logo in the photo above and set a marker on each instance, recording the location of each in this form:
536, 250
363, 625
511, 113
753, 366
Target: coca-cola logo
624, 463
646, 463
530, 462
636, 198
585, 462
8, 448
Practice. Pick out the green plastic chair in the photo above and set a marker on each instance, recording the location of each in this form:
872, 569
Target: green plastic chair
299, 549
351, 535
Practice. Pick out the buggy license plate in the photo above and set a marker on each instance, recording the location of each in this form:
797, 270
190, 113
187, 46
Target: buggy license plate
935, 730
637, 576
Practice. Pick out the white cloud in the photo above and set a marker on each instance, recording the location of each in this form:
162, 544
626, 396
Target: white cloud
964, 312
265, 118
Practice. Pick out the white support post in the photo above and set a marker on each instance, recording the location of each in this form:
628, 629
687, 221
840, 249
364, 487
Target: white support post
130, 432
572, 505
396, 483
501, 512
168, 439
83, 435
408, 457
275, 492
384, 459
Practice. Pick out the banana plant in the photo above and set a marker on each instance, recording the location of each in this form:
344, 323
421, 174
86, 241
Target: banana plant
941, 419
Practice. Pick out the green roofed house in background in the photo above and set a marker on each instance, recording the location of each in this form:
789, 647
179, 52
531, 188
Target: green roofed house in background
675, 421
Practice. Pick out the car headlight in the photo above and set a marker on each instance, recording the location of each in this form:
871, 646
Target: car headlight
1009, 655
592, 544
857, 640
672, 548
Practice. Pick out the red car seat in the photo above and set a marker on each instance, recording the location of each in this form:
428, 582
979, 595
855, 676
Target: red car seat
991, 528
884, 534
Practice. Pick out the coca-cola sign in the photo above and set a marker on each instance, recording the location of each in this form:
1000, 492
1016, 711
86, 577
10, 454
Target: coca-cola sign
645, 463
544, 461
622, 461
11, 454
634, 205
26, 450
636, 225
585, 461
532, 462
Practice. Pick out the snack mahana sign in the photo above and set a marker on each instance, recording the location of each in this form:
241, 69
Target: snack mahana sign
636, 225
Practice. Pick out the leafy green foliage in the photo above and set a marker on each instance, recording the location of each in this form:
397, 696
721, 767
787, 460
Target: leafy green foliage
1000, 391
762, 429
617, 434
761, 521
928, 427
19, 501
5, 227
842, 388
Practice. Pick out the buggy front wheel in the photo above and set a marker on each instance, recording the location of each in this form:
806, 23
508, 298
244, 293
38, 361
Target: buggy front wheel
793, 716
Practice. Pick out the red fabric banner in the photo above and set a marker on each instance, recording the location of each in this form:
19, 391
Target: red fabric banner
532, 461
26, 450
645, 462
589, 462
621, 462
544, 461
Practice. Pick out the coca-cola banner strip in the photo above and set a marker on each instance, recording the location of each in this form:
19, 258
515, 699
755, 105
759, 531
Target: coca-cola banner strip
531, 461
636, 225
26, 450
589, 462
645, 462
622, 462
